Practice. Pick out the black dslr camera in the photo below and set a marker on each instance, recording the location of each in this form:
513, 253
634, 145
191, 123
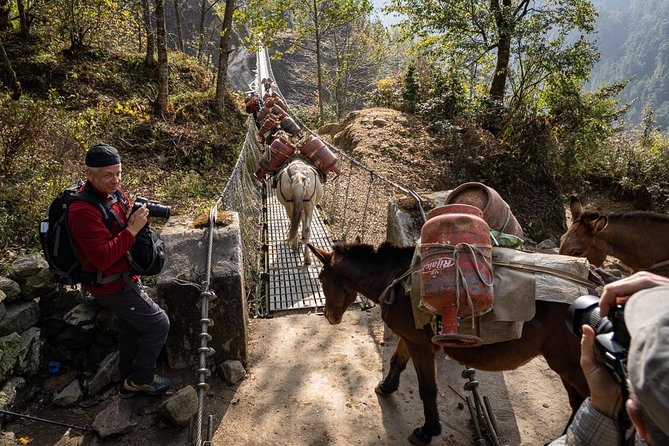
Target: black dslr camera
155, 209
612, 340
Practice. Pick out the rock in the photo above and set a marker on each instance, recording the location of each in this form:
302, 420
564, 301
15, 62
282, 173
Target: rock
106, 321
3, 310
548, 246
114, 419
29, 265
185, 265
84, 313
30, 356
59, 382
60, 302
107, 373
20, 316
69, 396
7, 439
10, 347
233, 371
181, 407
39, 284
9, 391
11, 289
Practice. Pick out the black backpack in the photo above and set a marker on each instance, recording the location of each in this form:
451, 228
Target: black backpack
147, 255
57, 244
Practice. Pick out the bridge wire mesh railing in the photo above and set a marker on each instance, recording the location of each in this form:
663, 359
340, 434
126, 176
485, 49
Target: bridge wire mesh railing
355, 204
243, 195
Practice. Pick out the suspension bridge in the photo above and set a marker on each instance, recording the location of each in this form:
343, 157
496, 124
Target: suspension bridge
278, 280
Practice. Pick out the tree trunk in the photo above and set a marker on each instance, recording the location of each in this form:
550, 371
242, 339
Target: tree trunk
200, 36
319, 69
224, 52
504, 29
149, 60
5, 21
14, 84
163, 68
23, 18
180, 32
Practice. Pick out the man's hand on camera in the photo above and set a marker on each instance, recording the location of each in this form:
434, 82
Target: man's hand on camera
138, 220
604, 391
620, 290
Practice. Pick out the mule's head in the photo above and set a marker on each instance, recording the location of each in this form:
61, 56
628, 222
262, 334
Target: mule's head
581, 237
338, 294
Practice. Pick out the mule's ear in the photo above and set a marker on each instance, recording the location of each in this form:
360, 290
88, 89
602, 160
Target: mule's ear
600, 224
575, 207
324, 256
357, 239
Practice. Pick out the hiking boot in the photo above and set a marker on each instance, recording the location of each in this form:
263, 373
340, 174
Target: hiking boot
159, 385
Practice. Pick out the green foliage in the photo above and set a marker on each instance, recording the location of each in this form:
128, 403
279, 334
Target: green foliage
410, 94
388, 93
183, 160
636, 166
472, 35
632, 39
582, 122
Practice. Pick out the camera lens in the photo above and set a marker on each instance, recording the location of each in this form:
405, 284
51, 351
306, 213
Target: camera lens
159, 210
585, 311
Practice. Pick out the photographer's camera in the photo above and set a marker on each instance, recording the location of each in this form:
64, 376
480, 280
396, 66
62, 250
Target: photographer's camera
612, 340
155, 209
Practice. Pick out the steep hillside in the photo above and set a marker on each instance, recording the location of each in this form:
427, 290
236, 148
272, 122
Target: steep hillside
400, 147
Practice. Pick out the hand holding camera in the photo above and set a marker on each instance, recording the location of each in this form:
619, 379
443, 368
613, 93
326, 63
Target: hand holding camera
141, 210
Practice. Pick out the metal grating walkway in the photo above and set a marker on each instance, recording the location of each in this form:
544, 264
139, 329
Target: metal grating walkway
291, 285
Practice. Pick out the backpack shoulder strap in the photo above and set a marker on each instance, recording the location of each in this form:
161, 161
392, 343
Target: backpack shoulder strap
88, 197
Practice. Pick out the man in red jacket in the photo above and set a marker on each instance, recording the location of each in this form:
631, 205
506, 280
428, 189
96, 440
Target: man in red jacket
143, 325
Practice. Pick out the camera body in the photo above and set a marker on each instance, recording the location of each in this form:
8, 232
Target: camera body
612, 340
155, 209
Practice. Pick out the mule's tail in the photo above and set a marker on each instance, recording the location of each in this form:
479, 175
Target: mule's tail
299, 187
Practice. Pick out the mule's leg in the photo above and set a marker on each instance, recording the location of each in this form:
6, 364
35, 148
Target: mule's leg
307, 214
422, 356
564, 359
398, 363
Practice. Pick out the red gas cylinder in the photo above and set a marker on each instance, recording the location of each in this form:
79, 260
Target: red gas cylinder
268, 124
262, 114
456, 269
289, 125
319, 154
278, 152
279, 113
271, 101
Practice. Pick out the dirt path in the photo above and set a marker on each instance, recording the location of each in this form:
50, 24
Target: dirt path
311, 383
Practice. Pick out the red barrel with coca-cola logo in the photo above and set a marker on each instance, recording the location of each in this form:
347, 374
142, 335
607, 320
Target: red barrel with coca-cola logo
278, 152
319, 154
456, 269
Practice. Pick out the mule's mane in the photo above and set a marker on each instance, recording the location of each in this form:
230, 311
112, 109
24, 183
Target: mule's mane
631, 215
386, 251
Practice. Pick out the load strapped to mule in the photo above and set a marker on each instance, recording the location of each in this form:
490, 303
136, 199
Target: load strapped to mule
466, 260
286, 140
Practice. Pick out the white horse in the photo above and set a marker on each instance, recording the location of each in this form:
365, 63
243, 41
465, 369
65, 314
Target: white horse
299, 190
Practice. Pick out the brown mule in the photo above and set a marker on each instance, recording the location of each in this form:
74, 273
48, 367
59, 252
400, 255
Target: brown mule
638, 239
359, 268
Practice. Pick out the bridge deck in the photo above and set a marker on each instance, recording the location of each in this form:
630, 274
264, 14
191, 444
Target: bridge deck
292, 286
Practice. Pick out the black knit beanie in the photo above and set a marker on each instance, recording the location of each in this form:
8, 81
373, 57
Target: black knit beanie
102, 155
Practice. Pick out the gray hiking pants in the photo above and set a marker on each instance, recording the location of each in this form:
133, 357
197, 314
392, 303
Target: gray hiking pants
143, 328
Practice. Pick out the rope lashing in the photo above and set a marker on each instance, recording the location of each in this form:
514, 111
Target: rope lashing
460, 251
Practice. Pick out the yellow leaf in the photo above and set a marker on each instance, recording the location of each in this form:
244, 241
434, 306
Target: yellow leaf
25, 440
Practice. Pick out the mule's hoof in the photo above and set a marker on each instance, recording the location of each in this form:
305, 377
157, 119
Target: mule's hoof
419, 437
379, 389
